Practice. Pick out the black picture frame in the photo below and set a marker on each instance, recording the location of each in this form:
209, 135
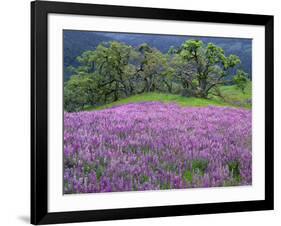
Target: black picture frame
39, 112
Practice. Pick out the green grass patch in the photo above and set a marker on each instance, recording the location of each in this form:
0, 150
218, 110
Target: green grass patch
187, 176
232, 97
164, 98
144, 179
235, 96
199, 166
234, 169
164, 186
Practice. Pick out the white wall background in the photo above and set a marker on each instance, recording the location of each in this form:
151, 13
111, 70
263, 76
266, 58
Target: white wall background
15, 113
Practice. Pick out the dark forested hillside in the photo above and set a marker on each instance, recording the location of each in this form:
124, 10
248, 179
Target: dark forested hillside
76, 42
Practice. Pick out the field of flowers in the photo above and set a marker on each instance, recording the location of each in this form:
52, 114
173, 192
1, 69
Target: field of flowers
152, 146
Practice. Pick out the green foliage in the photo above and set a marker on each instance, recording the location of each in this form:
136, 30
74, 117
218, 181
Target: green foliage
164, 186
144, 179
187, 176
79, 91
233, 96
241, 80
199, 166
231, 61
104, 75
115, 71
165, 98
99, 172
86, 169
233, 168
191, 49
153, 70
205, 67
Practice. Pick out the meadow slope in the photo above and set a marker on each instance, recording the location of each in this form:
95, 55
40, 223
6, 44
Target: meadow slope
232, 97
154, 145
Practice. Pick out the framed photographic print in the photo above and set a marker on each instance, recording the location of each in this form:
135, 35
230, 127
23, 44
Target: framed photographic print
145, 112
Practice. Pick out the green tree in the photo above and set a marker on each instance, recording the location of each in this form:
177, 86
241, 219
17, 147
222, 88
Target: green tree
241, 80
112, 64
78, 92
153, 68
206, 66
115, 70
183, 74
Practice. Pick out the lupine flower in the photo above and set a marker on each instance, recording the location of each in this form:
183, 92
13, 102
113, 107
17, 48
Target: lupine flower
152, 146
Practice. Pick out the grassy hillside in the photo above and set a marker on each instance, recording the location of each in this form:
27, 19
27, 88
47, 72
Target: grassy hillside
162, 97
236, 97
232, 97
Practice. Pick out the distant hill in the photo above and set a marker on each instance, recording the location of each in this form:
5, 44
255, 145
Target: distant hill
76, 42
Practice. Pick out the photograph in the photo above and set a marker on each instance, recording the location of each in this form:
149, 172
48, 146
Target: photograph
140, 112
155, 112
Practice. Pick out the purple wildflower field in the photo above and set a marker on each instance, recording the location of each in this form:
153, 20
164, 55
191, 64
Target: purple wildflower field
155, 146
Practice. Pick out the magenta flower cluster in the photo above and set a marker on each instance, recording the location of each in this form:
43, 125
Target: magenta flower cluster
153, 146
